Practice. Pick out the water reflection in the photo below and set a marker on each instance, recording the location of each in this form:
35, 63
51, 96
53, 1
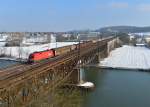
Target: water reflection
118, 88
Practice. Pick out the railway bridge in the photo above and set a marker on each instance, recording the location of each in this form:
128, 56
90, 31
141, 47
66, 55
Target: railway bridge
20, 84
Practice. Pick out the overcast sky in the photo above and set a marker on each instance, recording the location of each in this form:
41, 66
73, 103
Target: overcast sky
64, 15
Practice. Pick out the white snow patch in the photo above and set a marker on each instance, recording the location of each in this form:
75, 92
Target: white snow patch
3, 39
2, 43
128, 57
86, 85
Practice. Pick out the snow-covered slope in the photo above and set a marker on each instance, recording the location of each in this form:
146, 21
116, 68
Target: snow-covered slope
128, 57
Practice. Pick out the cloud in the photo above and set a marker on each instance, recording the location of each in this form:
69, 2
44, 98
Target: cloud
119, 5
144, 7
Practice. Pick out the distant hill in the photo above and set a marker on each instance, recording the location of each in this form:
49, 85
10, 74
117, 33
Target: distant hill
112, 29
124, 29
80, 31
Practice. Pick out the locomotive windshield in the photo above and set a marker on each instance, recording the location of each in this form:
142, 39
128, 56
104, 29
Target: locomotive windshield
31, 57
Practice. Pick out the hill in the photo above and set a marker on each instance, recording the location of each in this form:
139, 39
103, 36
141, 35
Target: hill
124, 29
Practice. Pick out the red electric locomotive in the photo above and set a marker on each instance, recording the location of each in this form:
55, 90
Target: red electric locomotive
38, 56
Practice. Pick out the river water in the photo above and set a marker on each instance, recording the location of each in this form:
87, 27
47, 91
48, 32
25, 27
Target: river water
6, 63
118, 88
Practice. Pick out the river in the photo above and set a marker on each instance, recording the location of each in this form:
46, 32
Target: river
118, 88
6, 63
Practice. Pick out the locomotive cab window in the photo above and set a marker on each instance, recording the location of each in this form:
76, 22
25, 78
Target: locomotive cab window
31, 57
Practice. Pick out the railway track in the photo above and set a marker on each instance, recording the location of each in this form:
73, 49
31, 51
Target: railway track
20, 75
17, 74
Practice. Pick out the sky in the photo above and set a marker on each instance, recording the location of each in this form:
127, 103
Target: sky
65, 15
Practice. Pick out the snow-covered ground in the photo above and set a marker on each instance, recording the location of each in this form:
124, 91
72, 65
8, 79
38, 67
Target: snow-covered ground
128, 57
2, 44
3, 39
23, 52
141, 34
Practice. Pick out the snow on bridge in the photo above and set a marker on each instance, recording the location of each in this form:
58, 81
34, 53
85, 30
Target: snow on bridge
128, 57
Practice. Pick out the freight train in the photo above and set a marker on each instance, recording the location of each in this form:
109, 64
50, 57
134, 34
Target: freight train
50, 53
42, 55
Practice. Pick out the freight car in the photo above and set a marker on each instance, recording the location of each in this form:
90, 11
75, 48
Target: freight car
64, 50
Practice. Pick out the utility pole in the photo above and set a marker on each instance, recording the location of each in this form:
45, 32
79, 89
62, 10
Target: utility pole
56, 40
78, 35
99, 38
79, 48
49, 40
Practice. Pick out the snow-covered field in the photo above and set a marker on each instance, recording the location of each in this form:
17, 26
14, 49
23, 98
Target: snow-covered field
23, 52
128, 57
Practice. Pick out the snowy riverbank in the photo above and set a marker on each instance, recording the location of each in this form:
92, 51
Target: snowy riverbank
128, 57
